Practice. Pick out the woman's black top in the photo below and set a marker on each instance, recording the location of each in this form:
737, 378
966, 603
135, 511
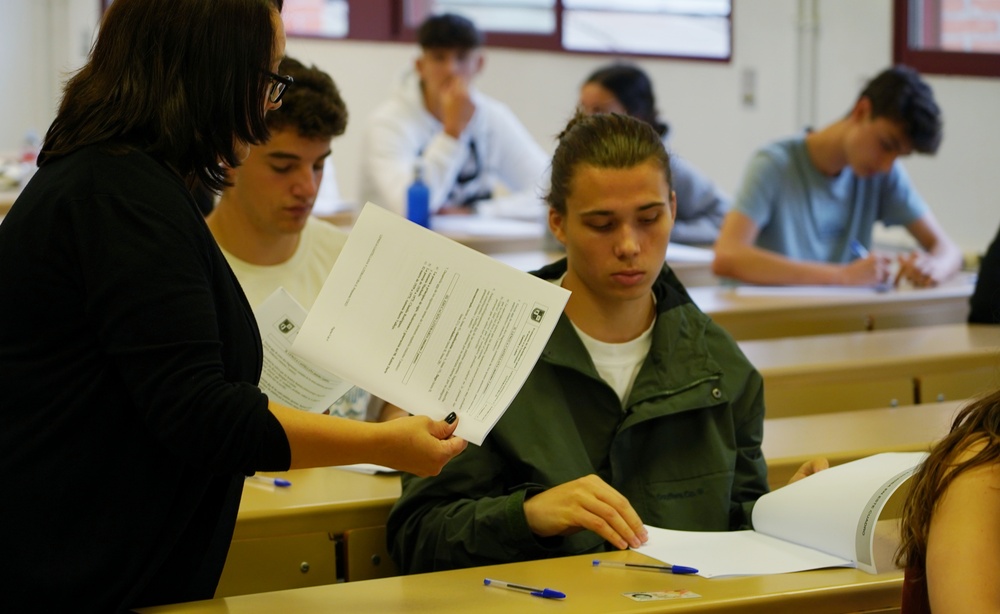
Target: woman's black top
129, 410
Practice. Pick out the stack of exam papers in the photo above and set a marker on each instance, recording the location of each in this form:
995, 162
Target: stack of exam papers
825, 520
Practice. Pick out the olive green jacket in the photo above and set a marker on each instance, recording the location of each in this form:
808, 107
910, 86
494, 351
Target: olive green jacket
685, 451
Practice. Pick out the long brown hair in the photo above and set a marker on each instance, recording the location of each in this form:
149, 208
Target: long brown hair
182, 80
977, 422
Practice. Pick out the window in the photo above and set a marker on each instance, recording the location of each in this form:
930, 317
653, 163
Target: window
316, 18
958, 37
694, 29
309, 18
683, 28
697, 29
513, 16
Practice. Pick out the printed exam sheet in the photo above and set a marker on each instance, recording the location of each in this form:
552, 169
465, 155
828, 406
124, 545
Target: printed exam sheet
285, 377
428, 324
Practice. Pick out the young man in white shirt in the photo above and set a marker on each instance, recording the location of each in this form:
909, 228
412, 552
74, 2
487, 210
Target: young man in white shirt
464, 142
263, 221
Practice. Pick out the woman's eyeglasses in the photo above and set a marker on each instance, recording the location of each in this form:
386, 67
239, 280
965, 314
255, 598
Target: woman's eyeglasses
279, 83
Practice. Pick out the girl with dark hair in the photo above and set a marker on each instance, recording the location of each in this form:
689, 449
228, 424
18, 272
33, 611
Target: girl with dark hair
129, 412
951, 521
626, 89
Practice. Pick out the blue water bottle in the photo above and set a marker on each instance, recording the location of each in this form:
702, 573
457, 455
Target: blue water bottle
418, 198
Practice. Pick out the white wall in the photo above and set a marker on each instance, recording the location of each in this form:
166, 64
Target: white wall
23, 72
41, 43
702, 100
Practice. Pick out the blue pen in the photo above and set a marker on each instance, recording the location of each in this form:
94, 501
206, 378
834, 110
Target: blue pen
545, 593
859, 251
272, 481
677, 569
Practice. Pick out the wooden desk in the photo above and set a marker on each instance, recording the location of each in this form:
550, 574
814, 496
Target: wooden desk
693, 274
849, 435
491, 235
287, 537
278, 529
828, 373
692, 270
588, 589
523, 244
764, 313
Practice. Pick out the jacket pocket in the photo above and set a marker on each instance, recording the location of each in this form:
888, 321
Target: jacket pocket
699, 503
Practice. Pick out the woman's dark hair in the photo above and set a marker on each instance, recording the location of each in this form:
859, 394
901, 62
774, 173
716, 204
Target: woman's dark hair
633, 89
182, 80
602, 140
976, 424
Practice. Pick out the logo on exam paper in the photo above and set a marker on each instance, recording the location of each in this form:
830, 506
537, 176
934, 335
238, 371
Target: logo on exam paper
286, 326
537, 313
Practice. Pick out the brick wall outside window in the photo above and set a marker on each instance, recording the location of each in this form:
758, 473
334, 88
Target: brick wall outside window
970, 26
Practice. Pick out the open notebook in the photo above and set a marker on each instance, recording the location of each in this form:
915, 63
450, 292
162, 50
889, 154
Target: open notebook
828, 519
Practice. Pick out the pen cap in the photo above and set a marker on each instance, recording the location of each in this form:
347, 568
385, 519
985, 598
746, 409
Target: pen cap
548, 593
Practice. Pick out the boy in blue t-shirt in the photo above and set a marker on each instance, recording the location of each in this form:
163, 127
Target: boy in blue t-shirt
805, 211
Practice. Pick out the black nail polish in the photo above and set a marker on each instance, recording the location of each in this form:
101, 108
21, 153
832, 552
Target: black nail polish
450, 418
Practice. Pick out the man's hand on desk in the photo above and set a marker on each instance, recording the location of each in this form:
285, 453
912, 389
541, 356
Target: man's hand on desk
585, 503
870, 270
808, 468
922, 269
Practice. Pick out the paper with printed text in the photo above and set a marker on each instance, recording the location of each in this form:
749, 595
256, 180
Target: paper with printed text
286, 378
428, 324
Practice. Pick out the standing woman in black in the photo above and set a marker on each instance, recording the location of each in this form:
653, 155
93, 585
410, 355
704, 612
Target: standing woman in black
129, 412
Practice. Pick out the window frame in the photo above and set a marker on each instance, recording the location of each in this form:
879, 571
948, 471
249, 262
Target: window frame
382, 21
937, 62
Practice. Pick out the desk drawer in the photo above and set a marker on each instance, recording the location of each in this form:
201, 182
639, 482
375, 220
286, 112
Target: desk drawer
801, 397
956, 385
277, 563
